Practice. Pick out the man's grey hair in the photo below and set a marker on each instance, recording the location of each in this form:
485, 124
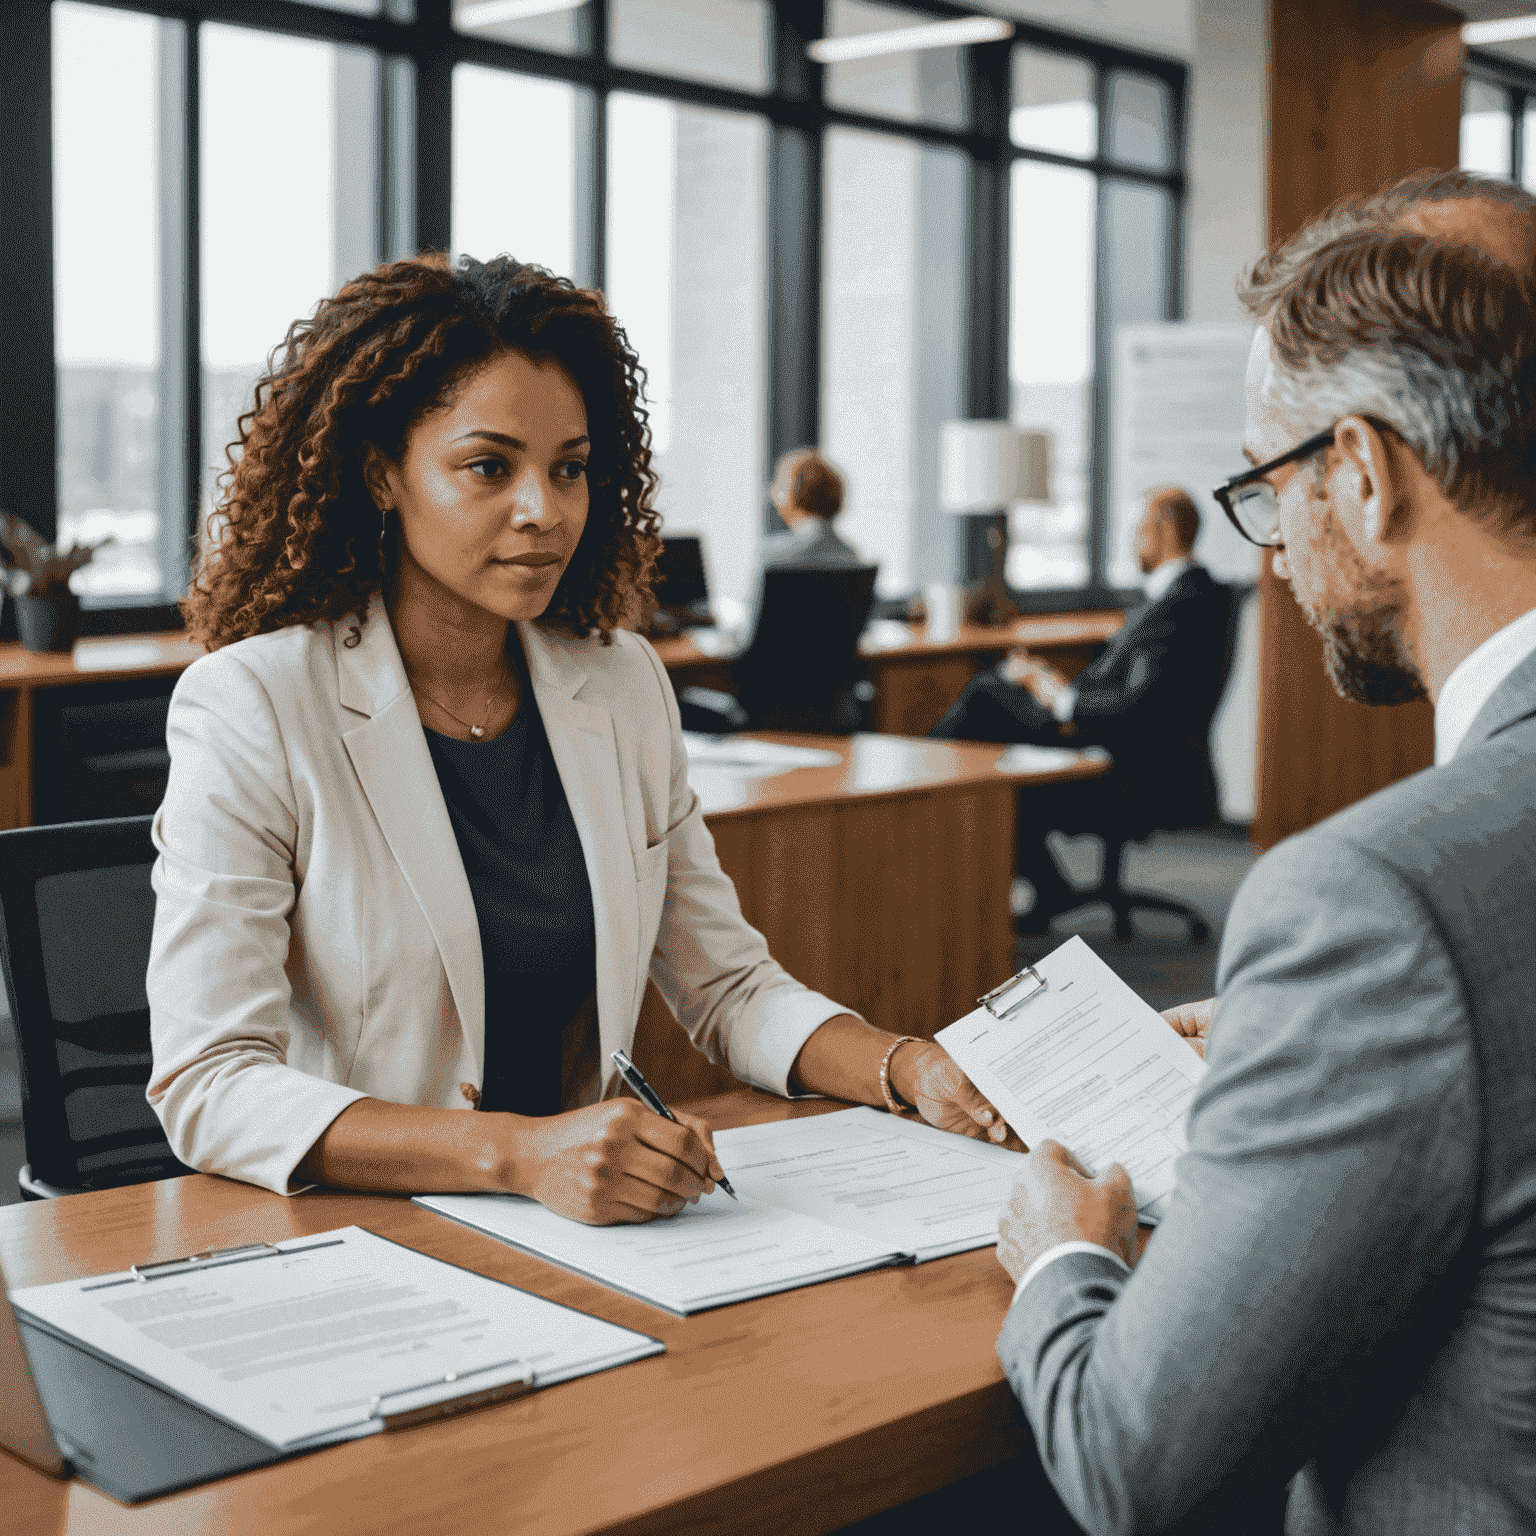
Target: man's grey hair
1383, 209
1431, 338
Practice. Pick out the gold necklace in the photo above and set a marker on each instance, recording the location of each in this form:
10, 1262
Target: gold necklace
475, 731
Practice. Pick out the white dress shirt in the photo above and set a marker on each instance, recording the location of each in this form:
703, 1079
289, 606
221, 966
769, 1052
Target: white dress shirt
1473, 682
1155, 586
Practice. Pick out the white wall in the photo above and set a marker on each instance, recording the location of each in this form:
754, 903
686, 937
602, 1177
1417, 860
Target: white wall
1225, 230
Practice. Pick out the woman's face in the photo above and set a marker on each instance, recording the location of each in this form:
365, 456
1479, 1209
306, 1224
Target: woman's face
491, 489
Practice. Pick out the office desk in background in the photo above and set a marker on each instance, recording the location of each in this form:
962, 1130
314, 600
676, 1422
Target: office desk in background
25, 674
916, 677
803, 1411
882, 882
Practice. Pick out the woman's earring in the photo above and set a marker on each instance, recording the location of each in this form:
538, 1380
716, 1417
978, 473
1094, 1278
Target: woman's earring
383, 528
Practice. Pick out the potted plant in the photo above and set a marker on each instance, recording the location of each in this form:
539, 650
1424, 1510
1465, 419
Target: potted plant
37, 575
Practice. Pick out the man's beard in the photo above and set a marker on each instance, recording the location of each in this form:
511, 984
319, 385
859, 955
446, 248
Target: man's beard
1364, 652
1365, 657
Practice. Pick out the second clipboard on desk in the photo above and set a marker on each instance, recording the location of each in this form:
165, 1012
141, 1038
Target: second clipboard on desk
329, 1337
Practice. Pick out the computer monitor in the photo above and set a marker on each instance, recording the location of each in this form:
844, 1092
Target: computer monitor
680, 584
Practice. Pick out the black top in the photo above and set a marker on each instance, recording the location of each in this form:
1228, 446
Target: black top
528, 878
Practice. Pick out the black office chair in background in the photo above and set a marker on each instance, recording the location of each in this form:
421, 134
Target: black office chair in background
1129, 815
76, 913
801, 668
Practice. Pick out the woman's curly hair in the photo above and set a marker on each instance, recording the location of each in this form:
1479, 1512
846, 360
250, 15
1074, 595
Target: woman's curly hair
296, 538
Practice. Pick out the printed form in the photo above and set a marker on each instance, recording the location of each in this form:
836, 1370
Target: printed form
1086, 1062
821, 1197
915, 1187
300, 1343
708, 1255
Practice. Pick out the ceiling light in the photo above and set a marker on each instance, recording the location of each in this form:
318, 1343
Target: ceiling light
1475, 32
938, 34
490, 13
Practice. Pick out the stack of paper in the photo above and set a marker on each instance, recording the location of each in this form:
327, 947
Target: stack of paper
821, 1197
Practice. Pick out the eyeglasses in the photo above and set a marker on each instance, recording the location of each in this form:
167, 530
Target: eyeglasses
1253, 504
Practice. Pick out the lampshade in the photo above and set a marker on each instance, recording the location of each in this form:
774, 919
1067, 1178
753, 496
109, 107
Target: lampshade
986, 465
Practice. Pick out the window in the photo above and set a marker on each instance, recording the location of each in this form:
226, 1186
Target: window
1092, 249
847, 255
117, 411
1498, 117
273, 199
686, 257
514, 168
925, 86
1050, 365
893, 323
1486, 136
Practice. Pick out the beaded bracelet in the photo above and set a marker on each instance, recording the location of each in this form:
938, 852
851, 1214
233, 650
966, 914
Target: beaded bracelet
892, 1103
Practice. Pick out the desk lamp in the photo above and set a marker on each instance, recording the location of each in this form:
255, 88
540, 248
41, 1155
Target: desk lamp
984, 467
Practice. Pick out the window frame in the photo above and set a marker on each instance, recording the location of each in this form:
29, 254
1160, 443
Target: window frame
418, 195
1518, 82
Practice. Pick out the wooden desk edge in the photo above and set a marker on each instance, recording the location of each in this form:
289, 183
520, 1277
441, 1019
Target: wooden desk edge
843, 1479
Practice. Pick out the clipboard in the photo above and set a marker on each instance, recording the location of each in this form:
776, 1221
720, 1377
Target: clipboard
135, 1436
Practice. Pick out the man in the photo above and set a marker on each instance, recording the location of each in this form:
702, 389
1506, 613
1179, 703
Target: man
1344, 1289
808, 493
1148, 699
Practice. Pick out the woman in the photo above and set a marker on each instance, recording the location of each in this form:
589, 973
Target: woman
428, 825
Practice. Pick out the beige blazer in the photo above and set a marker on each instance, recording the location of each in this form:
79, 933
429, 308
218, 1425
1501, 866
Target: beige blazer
315, 939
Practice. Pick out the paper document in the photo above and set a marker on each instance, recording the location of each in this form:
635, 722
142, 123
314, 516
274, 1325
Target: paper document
1032, 759
709, 1254
1085, 1061
821, 1197
914, 1187
300, 1343
746, 758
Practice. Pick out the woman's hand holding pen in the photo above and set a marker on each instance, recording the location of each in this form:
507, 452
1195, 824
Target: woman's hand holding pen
612, 1163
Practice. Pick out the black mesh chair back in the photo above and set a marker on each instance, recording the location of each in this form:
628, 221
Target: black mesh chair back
803, 658
76, 914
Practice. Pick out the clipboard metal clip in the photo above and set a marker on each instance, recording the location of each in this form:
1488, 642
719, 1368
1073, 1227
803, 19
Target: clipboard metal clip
997, 994
441, 1407
237, 1255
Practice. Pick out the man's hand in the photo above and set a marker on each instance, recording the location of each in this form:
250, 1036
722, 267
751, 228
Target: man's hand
1193, 1021
926, 1076
1029, 672
1054, 1201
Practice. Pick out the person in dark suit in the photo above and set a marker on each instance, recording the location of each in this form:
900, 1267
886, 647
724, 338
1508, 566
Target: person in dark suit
1147, 699
808, 494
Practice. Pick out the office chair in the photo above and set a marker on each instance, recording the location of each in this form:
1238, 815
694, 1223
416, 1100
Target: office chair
1130, 817
802, 666
76, 911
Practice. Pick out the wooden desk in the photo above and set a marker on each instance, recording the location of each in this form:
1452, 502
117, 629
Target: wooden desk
882, 882
916, 676
799, 1412
24, 673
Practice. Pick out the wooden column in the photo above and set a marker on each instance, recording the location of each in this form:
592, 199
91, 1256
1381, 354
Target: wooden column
1361, 92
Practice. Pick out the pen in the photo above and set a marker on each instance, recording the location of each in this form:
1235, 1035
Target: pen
648, 1095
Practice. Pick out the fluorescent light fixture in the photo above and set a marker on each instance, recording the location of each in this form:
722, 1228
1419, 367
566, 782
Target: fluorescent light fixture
489, 13
937, 34
1475, 32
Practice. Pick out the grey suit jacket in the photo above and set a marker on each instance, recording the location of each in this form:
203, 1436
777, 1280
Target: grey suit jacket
1342, 1298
